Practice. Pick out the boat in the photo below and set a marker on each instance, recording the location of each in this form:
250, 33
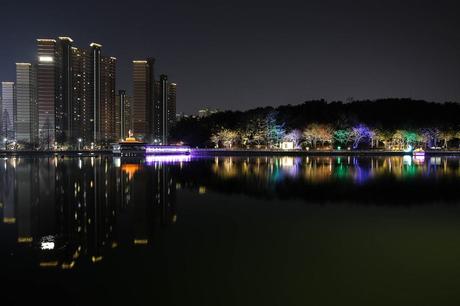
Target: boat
131, 147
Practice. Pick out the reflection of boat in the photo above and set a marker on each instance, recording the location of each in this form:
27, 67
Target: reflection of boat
418, 152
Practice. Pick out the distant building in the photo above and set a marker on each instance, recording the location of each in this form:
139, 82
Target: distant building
46, 91
143, 98
123, 120
172, 104
8, 108
107, 130
26, 104
205, 112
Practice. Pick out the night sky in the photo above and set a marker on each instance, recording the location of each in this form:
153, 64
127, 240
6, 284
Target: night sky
239, 55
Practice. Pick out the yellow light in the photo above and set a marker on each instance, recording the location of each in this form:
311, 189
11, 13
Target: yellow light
96, 259
202, 190
25, 239
49, 264
23, 64
46, 40
66, 38
140, 62
114, 245
9, 220
67, 266
141, 241
45, 59
95, 45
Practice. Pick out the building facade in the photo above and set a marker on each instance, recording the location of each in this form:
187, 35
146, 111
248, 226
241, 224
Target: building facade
26, 104
8, 109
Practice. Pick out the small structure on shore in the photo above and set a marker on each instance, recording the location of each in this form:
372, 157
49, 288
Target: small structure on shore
131, 147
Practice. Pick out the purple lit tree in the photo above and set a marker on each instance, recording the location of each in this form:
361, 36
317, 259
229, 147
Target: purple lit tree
295, 136
360, 133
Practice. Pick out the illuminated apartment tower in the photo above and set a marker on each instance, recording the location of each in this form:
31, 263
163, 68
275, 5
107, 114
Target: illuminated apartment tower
26, 104
161, 126
123, 122
172, 104
8, 109
81, 96
46, 91
64, 89
143, 98
106, 107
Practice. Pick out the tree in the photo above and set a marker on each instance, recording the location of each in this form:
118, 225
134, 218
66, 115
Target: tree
341, 137
315, 133
225, 137
274, 131
295, 136
360, 133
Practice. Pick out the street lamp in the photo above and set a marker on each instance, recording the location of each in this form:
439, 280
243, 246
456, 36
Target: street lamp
79, 143
4, 142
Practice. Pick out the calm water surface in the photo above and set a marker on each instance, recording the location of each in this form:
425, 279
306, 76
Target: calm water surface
230, 231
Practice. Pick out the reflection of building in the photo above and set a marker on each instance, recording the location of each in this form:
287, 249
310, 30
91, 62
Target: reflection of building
81, 208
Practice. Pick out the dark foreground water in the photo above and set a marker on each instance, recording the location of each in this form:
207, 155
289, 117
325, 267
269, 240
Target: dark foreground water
230, 231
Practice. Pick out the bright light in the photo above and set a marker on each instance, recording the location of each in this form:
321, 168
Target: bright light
47, 245
45, 59
152, 159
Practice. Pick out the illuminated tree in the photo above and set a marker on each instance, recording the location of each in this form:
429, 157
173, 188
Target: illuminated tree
295, 136
446, 136
360, 133
274, 131
341, 137
225, 137
315, 133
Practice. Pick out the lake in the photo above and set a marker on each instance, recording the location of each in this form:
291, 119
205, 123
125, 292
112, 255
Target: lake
184, 230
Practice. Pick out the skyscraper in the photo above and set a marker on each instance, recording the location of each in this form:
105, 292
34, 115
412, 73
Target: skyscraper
161, 111
123, 120
107, 101
26, 104
76, 93
64, 90
8, 110
172, 104
46, 91
143, 98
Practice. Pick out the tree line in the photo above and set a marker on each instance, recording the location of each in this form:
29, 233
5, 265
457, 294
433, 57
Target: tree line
379, 124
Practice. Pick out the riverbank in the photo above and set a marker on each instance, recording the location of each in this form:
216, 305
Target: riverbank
241, 152
236, 152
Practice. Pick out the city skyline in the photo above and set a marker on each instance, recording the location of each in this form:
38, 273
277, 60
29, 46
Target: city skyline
332, 50
67, 98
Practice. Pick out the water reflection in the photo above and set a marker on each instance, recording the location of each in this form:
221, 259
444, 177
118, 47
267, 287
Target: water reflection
384, 179
320, 169
68, 210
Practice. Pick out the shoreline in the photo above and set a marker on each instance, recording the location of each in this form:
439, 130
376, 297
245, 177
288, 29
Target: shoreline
240, 152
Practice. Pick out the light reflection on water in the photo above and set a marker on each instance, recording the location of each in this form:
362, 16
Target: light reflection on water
320, 169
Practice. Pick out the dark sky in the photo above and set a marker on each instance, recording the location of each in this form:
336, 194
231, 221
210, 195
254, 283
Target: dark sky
238, 55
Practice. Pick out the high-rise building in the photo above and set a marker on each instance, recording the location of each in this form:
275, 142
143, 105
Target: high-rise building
161, 111
123, 122
107, 101
172, 104
46, 91
8, 110
76, 93
26, 104
64, 85
143, 98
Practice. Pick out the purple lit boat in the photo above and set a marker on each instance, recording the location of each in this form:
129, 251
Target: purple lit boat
133, 148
